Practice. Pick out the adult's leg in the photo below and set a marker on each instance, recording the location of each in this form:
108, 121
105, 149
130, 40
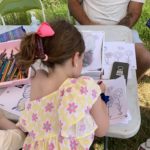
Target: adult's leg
142, 56
143, 59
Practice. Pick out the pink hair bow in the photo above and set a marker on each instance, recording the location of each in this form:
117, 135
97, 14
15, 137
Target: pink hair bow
45, 30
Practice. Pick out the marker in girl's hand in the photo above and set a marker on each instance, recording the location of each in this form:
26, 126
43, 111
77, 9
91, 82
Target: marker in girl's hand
102, 86
99, 82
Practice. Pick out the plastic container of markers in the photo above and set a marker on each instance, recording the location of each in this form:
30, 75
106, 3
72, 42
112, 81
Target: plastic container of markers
10, 73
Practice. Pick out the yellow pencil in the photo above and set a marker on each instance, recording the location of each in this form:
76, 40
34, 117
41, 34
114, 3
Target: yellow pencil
13, 73
19, 74
6, 70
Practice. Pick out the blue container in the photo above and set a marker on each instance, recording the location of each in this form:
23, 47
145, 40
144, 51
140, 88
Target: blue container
148, 23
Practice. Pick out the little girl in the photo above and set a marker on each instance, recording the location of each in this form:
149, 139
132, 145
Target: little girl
65, 110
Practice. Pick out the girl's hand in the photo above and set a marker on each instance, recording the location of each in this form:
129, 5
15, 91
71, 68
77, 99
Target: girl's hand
102, 86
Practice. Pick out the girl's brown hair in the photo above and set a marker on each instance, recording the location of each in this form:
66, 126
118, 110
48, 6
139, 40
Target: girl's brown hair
61, 46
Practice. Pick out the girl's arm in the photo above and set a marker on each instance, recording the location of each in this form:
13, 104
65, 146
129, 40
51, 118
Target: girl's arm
5, 123
99, 112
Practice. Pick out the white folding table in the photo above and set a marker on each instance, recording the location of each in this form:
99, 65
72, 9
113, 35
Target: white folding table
112, 33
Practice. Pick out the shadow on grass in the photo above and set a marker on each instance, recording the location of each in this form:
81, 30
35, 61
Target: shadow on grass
131, 143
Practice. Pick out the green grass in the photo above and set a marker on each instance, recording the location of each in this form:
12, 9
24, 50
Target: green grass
144, 31
58, 9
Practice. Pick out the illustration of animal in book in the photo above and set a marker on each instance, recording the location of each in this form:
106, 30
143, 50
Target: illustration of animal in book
93, 46
13, 99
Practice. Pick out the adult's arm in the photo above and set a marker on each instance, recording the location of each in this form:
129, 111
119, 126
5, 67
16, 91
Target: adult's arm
77, 11
133, 14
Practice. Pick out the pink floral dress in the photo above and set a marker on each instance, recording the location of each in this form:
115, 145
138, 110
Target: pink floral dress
61, 120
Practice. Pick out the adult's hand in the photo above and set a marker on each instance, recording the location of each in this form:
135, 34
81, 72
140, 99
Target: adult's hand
77, 11
133, 14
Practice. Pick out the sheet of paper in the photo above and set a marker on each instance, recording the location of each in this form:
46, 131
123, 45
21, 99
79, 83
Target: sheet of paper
116, 90
93, 47
123, 120
13, 99
120, 52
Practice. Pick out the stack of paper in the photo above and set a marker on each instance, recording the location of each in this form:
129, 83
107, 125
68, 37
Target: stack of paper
118, 104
